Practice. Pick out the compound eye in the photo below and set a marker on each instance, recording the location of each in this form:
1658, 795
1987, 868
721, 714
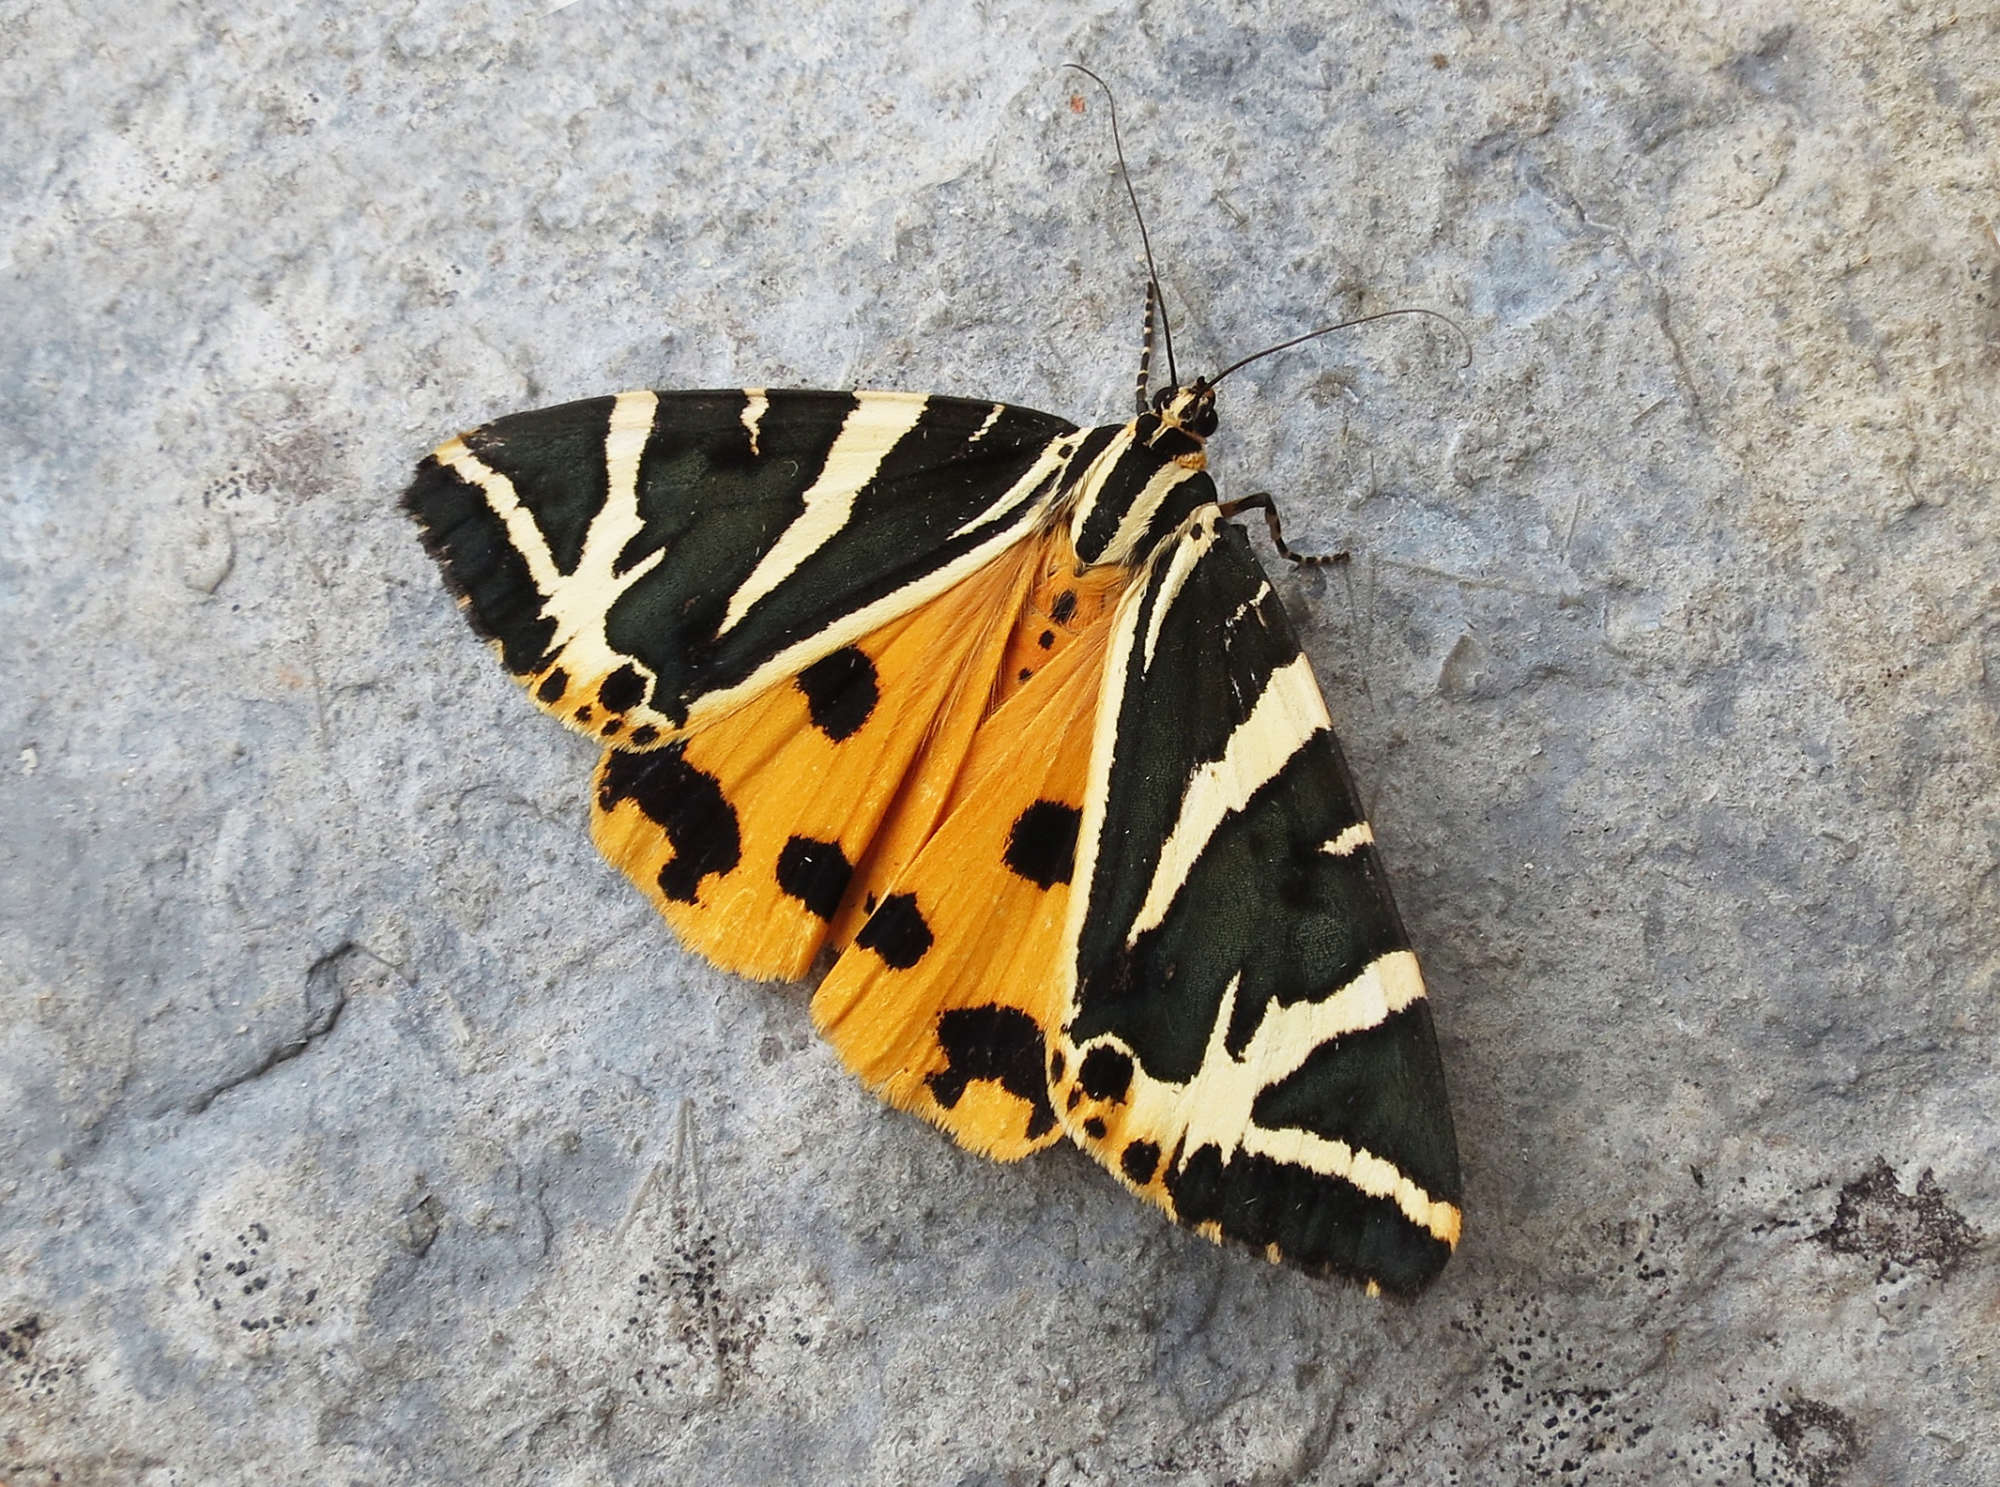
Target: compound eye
1204, 421
1163, 397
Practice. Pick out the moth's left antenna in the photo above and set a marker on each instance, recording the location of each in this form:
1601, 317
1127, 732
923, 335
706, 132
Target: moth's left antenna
1145, 241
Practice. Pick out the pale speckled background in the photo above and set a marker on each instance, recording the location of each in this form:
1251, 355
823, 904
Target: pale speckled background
358, 1125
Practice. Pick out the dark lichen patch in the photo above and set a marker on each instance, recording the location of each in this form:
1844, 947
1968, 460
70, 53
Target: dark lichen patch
242, 1283
702, 1334
18, 1340
1570, 1409
29, 1373
1875, 1219
1820, 1443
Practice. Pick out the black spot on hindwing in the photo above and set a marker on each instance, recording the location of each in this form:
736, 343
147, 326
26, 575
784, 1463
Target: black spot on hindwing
1064, 607
1002, 1044
896, 932
687, 804
1041, 847
553, 686
815, 873
841, 691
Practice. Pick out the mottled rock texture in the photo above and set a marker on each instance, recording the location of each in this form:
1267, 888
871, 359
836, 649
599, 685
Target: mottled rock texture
358, 1125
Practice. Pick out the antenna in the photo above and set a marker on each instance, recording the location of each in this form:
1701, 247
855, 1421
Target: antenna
1327, 330
1145, 242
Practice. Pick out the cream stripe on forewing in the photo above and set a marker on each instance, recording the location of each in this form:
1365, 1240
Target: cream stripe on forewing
1236, 614
1286, 714
985, 427
857, 623
1373, 1175
877, 424
1051, 459
580, 602
1086, 488
523, 533
1097, 784
1350, 841
755, 405
1186, 553
617, 522
1214, 1107
1139, 515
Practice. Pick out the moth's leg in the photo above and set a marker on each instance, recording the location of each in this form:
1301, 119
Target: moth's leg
1262, 501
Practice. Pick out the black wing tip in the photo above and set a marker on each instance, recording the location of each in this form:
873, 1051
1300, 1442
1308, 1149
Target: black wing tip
1315, 1222
479, 566
420, 500
1418, 1263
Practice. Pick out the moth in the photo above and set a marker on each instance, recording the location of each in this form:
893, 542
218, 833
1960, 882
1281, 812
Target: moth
1002, 717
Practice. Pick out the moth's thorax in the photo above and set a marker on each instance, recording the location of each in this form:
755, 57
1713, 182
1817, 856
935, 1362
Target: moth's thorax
1128, 487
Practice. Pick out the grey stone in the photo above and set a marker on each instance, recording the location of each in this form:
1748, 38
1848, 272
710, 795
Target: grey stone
358, 1124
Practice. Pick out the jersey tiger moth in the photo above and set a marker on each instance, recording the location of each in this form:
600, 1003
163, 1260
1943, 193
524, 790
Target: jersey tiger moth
1003, 714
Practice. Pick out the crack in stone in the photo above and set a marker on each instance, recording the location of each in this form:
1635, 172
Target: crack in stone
325, 1001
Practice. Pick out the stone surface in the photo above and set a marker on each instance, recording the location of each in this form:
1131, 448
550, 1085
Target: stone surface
357, 1124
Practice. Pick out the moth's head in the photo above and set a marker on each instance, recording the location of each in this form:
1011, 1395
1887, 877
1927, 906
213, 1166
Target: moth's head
1191, 409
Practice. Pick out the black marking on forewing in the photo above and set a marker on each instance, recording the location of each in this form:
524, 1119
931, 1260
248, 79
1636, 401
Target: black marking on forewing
1139, 1161
1320, 1223
815, 873
1002, 1044
1181, 503
555, 459
896, 932
711, 510
1041, 846
1106, 1074
841, 692
481, 565
687, 803
1379, 1089
623, 690
1261, 899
